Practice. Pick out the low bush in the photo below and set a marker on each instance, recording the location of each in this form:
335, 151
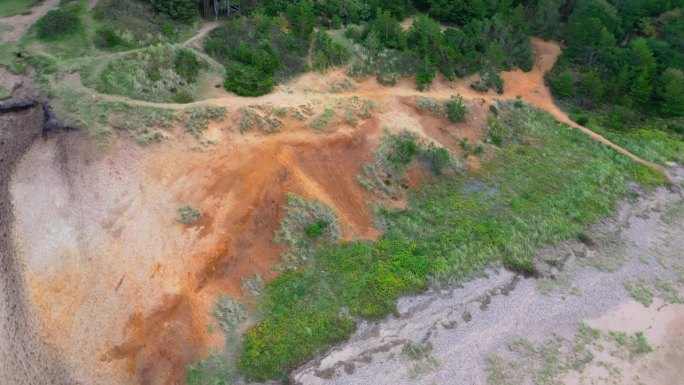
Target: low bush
107, 38
456, 109
57, 23
328, 53
188, 215
437, 158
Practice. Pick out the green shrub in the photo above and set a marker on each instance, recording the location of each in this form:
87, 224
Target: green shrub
315, 229
188, 215
456, 109
107, 38
185, 10
188, 65
183, 97
437, 158
247, 80
328, 53
425, 77
404, 152
57, 23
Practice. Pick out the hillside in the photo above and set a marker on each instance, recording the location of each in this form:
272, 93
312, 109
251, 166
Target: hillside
341, 192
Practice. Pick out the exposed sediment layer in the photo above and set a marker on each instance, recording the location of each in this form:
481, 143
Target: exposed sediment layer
24, 359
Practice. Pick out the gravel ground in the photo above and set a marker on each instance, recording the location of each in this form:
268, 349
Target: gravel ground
463, 326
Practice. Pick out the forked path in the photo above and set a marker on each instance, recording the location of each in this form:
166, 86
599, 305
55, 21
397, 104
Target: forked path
527, 85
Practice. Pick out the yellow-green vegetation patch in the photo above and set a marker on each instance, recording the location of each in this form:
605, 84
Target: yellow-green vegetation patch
524, 198
163, 73
101, 118
548, 361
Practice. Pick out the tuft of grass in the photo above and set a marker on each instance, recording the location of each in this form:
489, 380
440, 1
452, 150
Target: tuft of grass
323, 120
429, 105
213, 370
188, 215
524, 198
229, 313
253, 285
305, 224
197, 119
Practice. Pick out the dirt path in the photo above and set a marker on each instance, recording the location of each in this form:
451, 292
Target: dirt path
202, 33
528, 85
460, 328
20, 24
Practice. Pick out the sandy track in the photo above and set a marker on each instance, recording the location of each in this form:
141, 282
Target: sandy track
528, 85
21, 23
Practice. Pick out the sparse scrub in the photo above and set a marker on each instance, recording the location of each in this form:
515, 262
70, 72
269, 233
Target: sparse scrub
260, 118
253, 285
341, 86
429, 105
197, 119
323, 120
437, 158
154, 74
306, 223
644, 291
229, 313
188, 215
548, 361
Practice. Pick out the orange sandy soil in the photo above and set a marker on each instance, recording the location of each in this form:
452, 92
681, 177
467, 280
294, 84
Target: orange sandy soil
126, 292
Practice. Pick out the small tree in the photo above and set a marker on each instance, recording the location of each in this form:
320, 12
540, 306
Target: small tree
185, 10
671, 90
456, 109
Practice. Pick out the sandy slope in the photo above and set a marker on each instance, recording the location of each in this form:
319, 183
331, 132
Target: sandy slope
123, 291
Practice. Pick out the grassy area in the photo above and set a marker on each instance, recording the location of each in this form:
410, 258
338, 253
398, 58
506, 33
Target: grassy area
15, 7
163, 73
525, 197
654, 139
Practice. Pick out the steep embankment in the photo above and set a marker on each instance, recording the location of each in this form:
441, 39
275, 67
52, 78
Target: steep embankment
24, 358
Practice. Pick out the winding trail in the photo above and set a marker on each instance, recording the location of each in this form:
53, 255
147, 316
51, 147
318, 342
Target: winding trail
528, 85
21, 23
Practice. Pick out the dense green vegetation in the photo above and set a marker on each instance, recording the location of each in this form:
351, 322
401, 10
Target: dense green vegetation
622, 66
134, 23
453, 228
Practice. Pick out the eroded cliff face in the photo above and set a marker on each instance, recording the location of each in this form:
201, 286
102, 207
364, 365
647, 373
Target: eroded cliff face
24, 358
